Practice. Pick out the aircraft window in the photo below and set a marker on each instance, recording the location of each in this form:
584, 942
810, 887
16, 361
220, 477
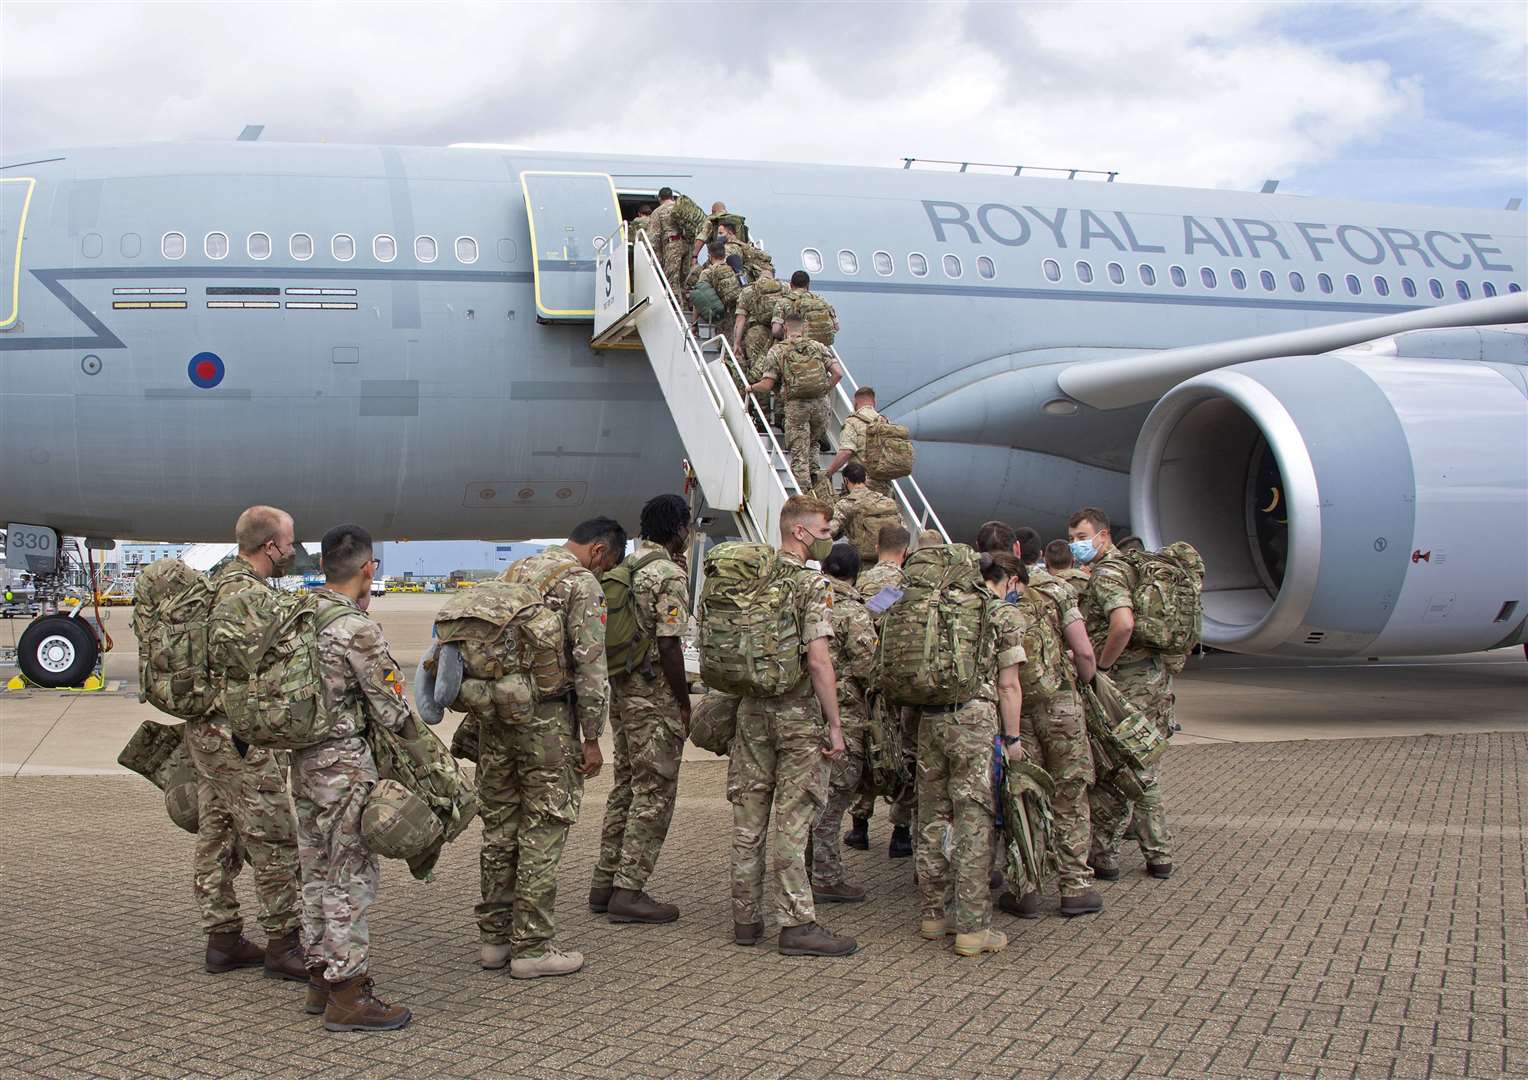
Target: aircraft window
384, 248
986, 267
216, 245
1084, 271
1148, 274
1179, 278
1487, 288
425, 248
811, 260
258, 244
172, 245
1267, 279
466, 249
1116, 273
1513, 286
917, 264
301, 246
1207, 276
1355, 286
1381, 285
881, 260
1296, 281
1052, 270
92, 245
952, 267
343, 247
508, 252
132, 244
1408, 286
848, 262
1463, 289
1238, 279
1435, 287
1325, 281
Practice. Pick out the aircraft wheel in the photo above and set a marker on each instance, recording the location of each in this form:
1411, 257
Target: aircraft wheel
57, 651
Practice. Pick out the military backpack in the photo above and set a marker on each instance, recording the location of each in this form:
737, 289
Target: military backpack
1044, 672
935, 647
263, 648
873, 511
627, 645
706, 302
750, 638
888, 453
172, 605
686, 218
768, 290
1165, 595
887, 761
417, 759
805, 371
814, 311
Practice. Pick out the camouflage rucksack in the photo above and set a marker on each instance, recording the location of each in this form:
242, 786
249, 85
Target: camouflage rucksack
934, 642
1044, 672
172, 604
626, 646
157, 752
805, 371
713, 722
888, 453
1165, 595
750, 642
1130, 736
397, 824
420, 762
814, 311
263, 649
874, 511
686, 218
1024, 804
765, 292
887, 760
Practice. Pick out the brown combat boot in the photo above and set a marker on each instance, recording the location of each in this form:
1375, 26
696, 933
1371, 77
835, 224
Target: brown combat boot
318, 991
634, 906
599, 899
284, 958
814, 940
228, 952
1025, 907
353, 1007
747, 933
1160, 870
1087, 902
840, 893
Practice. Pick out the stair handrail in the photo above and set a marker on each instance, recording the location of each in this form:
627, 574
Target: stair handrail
693, 349
778, 457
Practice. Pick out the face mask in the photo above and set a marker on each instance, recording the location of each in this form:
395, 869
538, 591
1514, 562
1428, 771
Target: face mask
283, 566
1083, 551
1012, 596
819, 549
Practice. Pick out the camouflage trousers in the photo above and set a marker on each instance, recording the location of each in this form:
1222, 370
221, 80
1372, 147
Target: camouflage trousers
1148, 687
757, 341
677, 257
649, 741
1054, 735
844, 778
956, 794
806, 421
777, 783
330, 785
903, 809
529, 789
241, 803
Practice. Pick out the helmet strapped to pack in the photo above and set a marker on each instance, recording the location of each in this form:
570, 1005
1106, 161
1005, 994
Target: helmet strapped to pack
397, 824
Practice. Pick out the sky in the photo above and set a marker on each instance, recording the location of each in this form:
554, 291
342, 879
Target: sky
1405, 102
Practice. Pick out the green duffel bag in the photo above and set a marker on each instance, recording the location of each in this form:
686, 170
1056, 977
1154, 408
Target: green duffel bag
397, 824
713, 723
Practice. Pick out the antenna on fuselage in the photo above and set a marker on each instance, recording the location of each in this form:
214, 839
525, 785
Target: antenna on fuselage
251, 133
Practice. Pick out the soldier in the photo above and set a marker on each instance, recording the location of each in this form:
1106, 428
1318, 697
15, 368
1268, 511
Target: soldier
1141, 677
531, 775
678, 230
751, 337
649, 717
241, 794
890, 551
862, 512
810, 371
1028, 548
1059, 563
640, 222
930, 538
755, 260
330, 784
821, 320
776, 779
658, 230
723, 278
851, 441
709, 233
854, 641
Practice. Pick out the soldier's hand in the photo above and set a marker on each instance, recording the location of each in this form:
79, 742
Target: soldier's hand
1014, 752
834, 751
593, 759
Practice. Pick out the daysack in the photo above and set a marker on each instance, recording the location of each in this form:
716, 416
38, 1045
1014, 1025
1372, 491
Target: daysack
420, 762
686, 218
769, 290
263, 646
750, 643
805, 372
1165, 596
707, 304
514, 652
172, 604
888, 451
626, 645
887, 760
874, 511
934, 642
815, 312
1044, 673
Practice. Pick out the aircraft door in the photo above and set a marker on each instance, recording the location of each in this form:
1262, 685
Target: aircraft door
572, 214
15, 202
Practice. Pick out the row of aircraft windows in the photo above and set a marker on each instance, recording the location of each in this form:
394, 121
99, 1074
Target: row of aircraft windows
1147, 275
384, 248
884, 265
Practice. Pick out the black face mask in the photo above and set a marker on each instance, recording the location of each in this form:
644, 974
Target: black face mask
283, 566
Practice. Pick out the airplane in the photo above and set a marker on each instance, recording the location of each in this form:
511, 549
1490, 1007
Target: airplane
1328, 398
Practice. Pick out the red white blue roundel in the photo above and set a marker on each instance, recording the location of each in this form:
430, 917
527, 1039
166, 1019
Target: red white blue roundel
206, 370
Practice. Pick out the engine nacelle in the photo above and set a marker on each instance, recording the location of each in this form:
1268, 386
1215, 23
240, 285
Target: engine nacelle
1357, 503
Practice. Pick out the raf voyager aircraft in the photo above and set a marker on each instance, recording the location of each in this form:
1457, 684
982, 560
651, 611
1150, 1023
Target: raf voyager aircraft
379, 334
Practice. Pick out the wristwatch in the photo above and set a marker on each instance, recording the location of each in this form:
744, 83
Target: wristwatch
1009, 740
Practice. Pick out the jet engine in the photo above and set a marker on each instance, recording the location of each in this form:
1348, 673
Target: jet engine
1366, 502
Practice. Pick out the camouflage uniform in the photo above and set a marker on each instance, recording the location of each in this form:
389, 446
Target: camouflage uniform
806, 419
870, 582
678, 227
241, 802
1076, 577
648, 735
528, 780
1054, 734
777, 778
854, 642
1142, 678
955, 788
794, 300
758, 307
853, 438
331, 783
860, 500
658, 230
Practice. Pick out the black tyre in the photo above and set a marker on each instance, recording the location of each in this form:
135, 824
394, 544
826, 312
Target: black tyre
57, 651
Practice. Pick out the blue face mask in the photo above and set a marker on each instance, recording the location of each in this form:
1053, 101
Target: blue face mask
1012, 597
1083, 551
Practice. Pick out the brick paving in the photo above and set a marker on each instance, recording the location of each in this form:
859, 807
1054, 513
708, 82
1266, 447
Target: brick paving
1343, 909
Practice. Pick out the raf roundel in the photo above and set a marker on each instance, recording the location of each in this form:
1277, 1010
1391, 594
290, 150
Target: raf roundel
206, 370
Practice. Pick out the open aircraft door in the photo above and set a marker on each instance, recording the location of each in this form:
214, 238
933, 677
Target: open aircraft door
572, 215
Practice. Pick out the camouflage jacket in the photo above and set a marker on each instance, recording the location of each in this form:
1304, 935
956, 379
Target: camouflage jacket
1076, 577
854, 642
876, 578
1006, 629
659, 227
1108, 589
661, 592
362, 681
758, 305
579, 599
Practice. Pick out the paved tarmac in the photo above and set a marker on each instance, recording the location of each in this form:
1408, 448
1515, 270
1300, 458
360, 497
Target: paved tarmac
1344, 907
